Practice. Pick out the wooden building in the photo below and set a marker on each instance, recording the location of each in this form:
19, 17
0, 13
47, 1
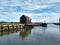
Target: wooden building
25, 19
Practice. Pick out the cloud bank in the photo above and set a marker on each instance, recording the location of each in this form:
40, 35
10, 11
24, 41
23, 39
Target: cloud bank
38, 10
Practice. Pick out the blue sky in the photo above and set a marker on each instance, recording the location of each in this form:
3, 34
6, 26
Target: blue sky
38, 10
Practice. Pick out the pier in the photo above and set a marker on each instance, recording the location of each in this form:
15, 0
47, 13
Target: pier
11, 26
19, 26
36, 24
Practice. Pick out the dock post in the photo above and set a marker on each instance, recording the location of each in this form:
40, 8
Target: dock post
19, 26
1, 28
13, 27
16, 27
8, 27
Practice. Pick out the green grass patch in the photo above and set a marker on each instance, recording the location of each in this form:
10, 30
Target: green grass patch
10, 24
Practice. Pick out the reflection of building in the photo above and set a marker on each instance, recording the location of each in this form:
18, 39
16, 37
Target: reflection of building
25, 19
25, 32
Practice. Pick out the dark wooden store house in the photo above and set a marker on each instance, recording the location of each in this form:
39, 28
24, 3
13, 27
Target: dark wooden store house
25, 19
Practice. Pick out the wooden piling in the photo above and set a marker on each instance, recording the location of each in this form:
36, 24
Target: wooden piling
16, 28
13, 27
2, 28
8, 27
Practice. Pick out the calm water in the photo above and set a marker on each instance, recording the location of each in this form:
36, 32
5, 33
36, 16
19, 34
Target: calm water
49, 35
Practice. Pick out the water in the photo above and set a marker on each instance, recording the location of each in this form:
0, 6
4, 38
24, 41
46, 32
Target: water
37, 35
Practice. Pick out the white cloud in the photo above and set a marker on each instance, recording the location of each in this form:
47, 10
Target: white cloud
15, 8
15, 16
26, 4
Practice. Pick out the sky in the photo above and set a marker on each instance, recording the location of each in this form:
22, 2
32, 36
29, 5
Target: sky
37, 10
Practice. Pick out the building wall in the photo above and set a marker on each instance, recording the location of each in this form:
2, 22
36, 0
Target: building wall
25, 19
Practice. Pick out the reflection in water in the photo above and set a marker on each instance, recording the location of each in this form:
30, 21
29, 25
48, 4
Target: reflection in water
1, 33
6, 32
49, 35
59, 28
25, 32
44, 28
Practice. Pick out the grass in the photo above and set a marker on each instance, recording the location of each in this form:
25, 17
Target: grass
10, 24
